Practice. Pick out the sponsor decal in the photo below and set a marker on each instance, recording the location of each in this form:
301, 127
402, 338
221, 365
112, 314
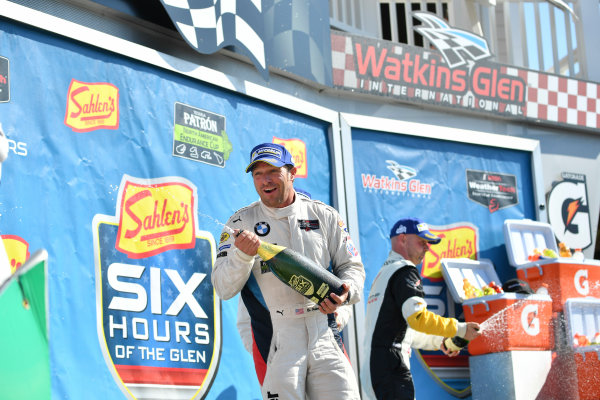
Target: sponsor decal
308, 224
492, 189
568, 211
262, 228
402, 183
530, 320
581, 282
4, 80
200, 135
275, 152
350, 247
92, 106
224, 237
459, 240
17, 251
297, 149
154, 216
342, 225
264, 267
158, 318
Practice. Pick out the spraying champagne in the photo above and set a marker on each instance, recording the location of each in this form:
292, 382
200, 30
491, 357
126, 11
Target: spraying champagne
299, 272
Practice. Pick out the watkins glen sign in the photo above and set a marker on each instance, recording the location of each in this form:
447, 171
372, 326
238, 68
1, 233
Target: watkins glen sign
158, 318
458, 73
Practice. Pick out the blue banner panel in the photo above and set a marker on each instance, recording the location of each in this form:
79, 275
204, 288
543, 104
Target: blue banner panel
464, 192
93, 139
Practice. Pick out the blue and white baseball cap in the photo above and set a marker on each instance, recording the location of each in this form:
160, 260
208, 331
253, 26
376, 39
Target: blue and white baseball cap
271, 153
414, 226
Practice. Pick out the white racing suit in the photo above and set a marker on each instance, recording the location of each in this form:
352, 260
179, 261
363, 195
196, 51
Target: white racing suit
397, 320
297, 350
342, 317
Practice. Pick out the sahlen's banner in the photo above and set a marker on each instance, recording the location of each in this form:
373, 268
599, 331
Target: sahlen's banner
125, 174
464, 193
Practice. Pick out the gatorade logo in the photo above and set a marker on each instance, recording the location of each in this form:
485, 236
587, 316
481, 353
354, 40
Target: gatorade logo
529, 320
582, 285
568, 211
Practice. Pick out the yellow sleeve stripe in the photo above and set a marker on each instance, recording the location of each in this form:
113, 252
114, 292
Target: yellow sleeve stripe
428, 322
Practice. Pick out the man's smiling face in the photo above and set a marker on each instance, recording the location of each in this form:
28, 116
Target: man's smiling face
274, 185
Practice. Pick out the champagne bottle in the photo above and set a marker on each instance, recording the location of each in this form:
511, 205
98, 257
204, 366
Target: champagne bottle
299, 272
455, 343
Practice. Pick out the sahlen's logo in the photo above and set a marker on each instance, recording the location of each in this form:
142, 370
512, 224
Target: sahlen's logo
92, 106
154, 216
568, 211
459, 240
297, 149
158, 317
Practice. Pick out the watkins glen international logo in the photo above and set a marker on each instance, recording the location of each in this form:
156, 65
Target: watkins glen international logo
92, 106
401, 184
158, 318
155, 217
459, 240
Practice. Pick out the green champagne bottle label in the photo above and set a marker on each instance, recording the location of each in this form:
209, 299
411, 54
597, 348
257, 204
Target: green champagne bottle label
299, 272
302, 285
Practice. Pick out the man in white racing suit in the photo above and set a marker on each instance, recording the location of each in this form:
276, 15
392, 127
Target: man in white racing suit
297, 345
397, 318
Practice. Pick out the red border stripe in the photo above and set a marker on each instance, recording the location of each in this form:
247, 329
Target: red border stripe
160, 375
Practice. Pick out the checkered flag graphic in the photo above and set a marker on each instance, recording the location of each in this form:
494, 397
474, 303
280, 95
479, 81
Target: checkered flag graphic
458, 47
209, 25
299, 41
402, 172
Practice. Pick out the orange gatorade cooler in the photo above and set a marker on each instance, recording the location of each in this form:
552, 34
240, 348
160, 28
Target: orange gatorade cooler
510, 321
582, 318
564, 277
